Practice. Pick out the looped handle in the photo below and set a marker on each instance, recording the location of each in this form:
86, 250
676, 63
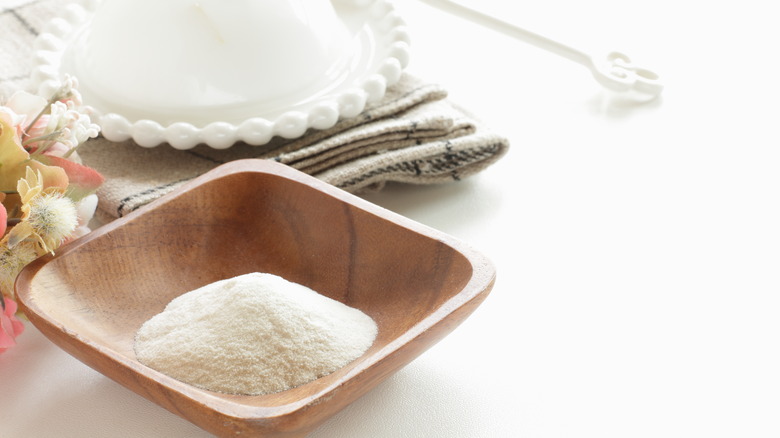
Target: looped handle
616, 72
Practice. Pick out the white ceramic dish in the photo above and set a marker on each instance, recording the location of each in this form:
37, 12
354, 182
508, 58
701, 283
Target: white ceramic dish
262, 77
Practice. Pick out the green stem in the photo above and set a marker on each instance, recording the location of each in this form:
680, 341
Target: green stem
71, 151
45, 109
52, 136
42, 149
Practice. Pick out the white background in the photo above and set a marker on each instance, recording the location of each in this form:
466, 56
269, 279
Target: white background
637, 246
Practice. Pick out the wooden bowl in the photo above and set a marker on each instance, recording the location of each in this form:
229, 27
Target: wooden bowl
247, 216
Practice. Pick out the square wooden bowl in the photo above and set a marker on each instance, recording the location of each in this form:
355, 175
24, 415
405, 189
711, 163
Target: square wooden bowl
418, 284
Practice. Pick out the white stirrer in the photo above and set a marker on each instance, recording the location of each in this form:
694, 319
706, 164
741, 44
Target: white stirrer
614, 72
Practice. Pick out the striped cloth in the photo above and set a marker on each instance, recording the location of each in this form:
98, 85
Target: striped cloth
414, 135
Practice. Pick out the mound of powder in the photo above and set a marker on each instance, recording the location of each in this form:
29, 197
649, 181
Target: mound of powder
253, 334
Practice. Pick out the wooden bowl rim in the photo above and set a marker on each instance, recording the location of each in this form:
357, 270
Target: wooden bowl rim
480, 282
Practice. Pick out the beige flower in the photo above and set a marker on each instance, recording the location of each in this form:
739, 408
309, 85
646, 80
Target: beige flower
12, 260
48, 217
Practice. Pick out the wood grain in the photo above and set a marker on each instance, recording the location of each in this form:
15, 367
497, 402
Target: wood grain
255, 216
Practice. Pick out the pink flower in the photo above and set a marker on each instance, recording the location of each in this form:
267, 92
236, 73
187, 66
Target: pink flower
10, 326
3, 217
35, 130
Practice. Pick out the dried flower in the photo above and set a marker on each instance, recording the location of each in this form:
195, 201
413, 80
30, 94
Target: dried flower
12, 260
3, 216
42, 124
85, 211
48, 216
10, 326
47, 195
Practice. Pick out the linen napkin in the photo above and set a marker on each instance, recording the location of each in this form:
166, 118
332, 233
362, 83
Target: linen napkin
415, 134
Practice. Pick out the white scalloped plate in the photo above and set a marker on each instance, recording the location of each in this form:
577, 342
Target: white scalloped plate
380, 53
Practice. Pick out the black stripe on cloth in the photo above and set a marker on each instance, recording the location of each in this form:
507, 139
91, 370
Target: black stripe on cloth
124, 202
26, 24
433, 166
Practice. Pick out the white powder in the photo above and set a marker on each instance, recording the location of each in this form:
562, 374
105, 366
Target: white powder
253, 334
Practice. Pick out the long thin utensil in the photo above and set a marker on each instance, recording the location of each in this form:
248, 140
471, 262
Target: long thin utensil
615, 71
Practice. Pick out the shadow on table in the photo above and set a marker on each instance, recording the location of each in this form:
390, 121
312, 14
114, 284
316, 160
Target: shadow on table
618, 106
418, 401
102, 407
449, 207
88, 405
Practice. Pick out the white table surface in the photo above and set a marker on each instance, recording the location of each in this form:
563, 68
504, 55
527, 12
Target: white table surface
637, 247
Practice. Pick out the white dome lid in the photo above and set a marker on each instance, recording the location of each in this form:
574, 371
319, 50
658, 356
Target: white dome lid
214, 71
189, 57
